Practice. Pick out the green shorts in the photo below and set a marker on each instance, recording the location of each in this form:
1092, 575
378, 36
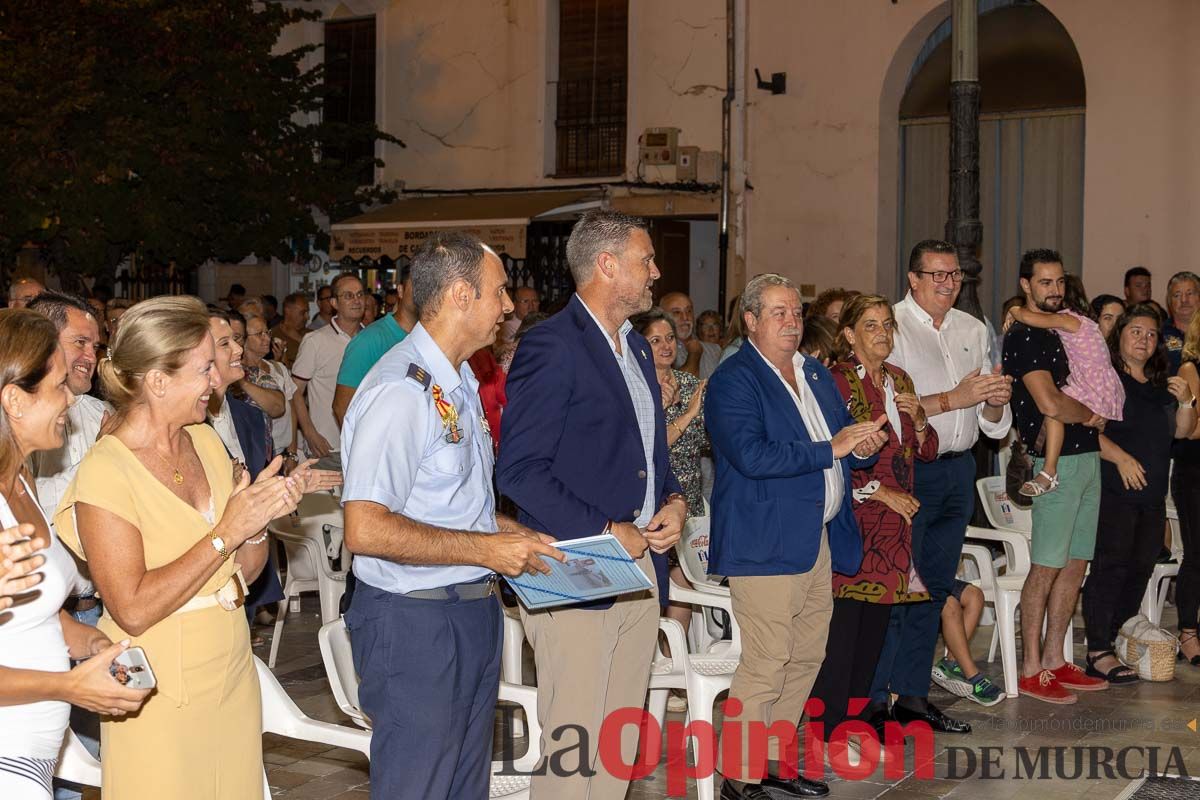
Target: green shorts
1065, 520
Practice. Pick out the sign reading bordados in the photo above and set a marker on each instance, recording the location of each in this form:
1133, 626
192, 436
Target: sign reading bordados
393, 242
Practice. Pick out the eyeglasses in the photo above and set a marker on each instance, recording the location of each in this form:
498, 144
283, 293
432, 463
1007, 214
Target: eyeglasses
940, 277
352, 295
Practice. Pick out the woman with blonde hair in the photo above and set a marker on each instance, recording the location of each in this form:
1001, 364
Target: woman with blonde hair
171, 536
38, 638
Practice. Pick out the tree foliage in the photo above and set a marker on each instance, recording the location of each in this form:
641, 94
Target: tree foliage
169, 128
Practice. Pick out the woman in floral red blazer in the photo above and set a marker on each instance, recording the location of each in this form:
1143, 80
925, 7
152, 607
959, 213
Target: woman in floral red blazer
883, 506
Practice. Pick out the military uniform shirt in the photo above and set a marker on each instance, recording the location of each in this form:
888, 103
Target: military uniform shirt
395, 453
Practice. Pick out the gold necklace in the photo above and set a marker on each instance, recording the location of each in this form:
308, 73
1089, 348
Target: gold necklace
176, 475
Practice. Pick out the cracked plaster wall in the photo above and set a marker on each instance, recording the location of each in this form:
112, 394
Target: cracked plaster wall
467, 86
464, 84
823, 158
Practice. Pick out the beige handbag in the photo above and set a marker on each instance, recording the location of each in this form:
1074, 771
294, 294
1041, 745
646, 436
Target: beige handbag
1147, 648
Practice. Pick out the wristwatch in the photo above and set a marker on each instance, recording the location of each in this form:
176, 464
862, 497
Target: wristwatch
1189, 404
218, 544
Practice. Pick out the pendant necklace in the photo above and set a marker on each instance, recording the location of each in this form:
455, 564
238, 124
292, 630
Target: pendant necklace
176, 475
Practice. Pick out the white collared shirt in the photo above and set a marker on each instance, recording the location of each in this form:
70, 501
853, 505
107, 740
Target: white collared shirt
643, 407
55, 469
318, 362
222, 423
937, 359
818, 429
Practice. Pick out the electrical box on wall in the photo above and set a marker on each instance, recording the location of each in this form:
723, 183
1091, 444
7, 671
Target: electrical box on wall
708, 167
659, 146
686, 170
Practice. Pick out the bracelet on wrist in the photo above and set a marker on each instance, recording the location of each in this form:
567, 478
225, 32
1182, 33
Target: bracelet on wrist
675, 496
1189, 404
944, 402
218, 544
262, 537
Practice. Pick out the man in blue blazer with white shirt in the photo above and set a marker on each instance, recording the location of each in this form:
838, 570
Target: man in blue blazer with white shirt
583, 451
784, 444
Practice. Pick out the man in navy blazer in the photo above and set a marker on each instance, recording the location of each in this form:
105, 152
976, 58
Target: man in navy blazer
583, 451
784, 443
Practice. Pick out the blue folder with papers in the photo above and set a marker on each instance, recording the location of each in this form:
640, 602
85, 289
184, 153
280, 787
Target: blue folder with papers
596, 567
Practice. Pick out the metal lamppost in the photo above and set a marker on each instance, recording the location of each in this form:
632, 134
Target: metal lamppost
963, 228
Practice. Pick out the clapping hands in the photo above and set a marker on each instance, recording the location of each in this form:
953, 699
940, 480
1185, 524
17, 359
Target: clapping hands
19, 560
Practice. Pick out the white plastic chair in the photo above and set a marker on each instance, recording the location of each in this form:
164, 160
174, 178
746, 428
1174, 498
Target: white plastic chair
334, 640
282, 716
702, 676
308, 570
692, 552
511, 655
75, 763
514, 640
1002, 513
319, 516
1155, 597
1003, 592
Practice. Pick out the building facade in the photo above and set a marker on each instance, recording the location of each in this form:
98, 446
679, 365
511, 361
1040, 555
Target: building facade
532, 95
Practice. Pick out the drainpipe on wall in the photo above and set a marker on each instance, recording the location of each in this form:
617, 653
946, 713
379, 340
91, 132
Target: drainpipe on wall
726, 149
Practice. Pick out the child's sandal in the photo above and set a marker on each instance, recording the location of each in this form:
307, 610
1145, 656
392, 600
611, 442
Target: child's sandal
1035, 489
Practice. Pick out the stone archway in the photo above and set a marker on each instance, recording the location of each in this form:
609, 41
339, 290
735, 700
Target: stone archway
1031, 143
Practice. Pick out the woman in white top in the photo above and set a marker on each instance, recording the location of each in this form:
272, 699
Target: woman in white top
254, 359
37, 638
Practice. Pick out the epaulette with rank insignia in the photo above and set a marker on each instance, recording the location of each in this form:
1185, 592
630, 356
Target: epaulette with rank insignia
418, 375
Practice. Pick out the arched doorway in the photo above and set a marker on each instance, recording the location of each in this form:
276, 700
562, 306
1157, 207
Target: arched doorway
1031, 144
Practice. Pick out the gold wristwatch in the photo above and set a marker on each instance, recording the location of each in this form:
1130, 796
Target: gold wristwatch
218, 544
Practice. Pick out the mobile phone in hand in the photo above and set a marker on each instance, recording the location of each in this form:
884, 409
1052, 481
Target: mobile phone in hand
131, 668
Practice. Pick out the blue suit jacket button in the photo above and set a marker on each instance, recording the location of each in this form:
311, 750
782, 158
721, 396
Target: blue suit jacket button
642, 474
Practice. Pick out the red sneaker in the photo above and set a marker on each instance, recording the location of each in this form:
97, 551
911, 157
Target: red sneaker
1073, 677
1045, 687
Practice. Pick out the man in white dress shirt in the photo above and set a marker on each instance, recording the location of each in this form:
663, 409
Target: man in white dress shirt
948, 354
694, 356
316, 369
79, 335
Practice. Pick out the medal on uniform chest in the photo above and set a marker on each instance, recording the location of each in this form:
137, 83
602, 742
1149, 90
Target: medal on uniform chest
449, 415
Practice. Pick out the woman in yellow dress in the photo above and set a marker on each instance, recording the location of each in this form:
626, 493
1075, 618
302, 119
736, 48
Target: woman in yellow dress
171, 537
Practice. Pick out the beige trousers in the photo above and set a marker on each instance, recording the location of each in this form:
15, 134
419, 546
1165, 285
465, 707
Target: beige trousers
784, 621
589, 664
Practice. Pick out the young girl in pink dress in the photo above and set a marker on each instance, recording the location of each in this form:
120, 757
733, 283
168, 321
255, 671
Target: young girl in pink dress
1093, 380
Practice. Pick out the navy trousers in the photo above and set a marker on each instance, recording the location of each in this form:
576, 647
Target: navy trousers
946, 491
430, 673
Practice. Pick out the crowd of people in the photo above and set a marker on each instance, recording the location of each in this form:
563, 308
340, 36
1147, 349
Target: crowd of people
145, 447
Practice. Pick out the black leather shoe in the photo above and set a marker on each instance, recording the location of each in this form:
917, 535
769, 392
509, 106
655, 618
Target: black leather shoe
936, 719
799, 786
749, 791
877, 720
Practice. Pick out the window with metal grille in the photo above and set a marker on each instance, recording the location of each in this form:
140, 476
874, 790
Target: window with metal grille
593, 38
350, 86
